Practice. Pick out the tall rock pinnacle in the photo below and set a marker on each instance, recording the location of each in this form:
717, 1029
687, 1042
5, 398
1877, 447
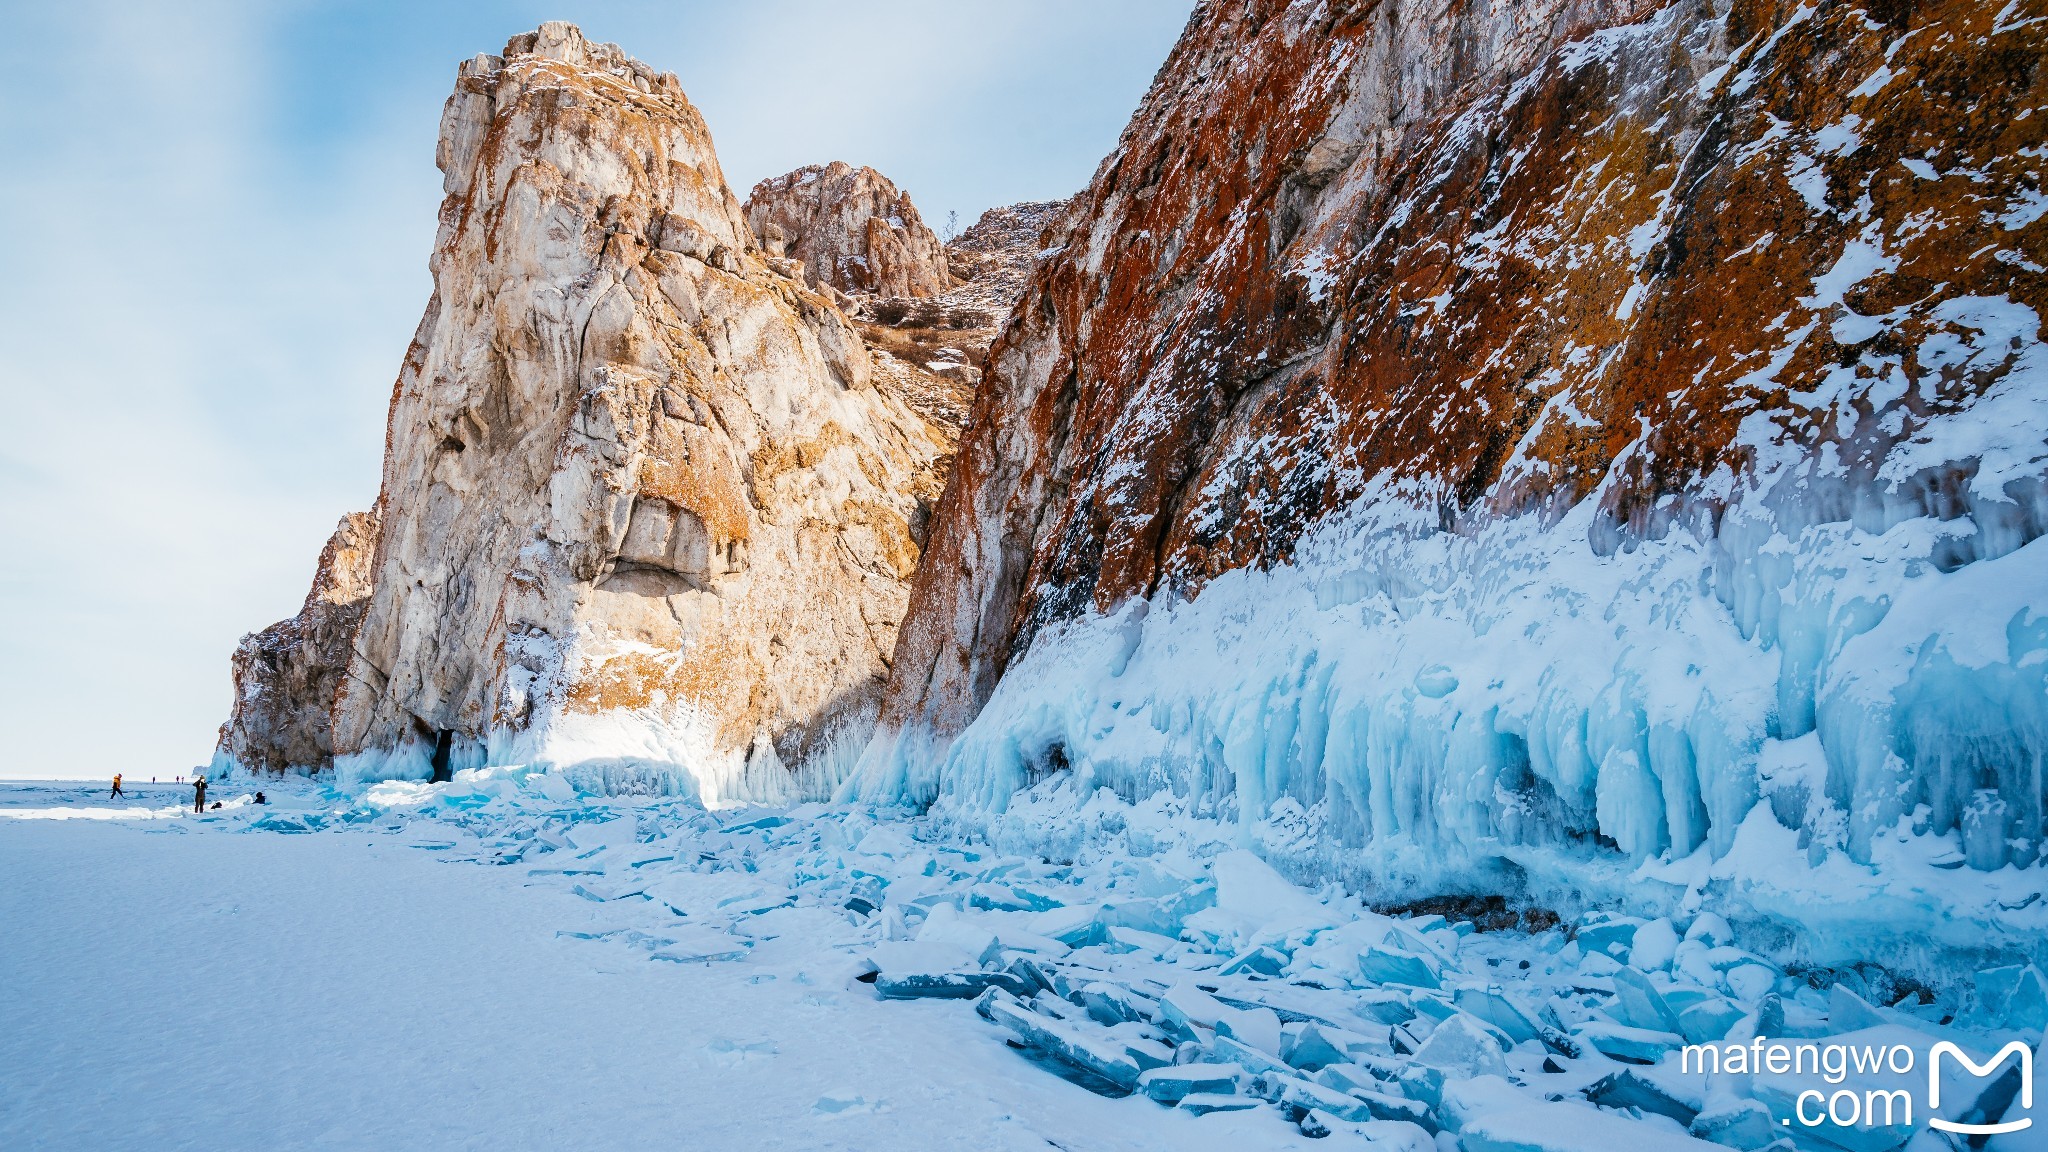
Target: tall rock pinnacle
646, 512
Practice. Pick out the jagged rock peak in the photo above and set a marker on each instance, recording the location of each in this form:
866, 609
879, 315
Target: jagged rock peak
647, 506
562, 41
851, 228
286, 676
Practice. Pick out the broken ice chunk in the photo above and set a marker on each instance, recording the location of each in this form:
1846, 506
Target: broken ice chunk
1236, 1051
1185, 1008
1146, 1052
1173, 1084
1750, 981
1710, 929
1495, 1009
1605, 932
1640, 1005
1653, 945
945, 926
1258, 1027
1111, 1004
945, 985
1304, 1046
1460, 1047
1296, 1095
1710, 1019
1465, 1099
1387, 1007
1072, 925
923, 969
1736, 1123
2014, 997
1081, 1046
1028, 971
1848, 1012
1120, 939
1384, 964
1006, 898
1633, 1088
1261, 959
866, 896
1629, 1045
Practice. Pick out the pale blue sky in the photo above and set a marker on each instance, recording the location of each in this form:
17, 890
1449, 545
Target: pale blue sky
214, 227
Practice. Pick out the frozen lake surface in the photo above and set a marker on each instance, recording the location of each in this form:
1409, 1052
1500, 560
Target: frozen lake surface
173, 985
503, 963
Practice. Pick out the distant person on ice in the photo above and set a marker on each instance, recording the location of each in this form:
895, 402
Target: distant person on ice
117, 787
199, 793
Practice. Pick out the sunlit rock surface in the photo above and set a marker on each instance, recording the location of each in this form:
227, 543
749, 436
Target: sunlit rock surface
851, 229
646, 509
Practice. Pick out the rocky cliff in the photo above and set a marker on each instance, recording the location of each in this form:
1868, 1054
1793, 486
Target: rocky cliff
991, 259
288, 675
647, 511
1594, 448
851, 229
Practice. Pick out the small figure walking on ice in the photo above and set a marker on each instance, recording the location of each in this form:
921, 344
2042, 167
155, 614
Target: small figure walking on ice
117, 787
199, 793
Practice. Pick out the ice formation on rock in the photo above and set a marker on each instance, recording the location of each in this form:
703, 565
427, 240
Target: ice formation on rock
1595, 451
647, 513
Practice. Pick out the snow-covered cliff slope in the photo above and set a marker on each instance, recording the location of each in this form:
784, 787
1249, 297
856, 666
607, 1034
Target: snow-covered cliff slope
1591, 450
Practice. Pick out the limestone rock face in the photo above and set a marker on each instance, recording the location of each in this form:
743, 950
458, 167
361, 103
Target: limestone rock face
646, 510
287, 676
1522, 296
851, 229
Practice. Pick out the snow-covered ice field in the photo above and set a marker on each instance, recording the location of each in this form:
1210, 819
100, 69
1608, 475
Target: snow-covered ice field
169, 984
502, 963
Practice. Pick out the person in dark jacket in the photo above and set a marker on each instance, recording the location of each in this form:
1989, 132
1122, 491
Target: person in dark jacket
199, 793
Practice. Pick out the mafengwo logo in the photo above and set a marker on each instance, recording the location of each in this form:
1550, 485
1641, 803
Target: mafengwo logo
1882, 1078
2025, 1072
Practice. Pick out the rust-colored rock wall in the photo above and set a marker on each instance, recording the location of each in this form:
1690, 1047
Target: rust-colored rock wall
1483, 255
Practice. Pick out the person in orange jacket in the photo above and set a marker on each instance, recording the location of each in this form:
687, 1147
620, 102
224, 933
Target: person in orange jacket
117, 787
